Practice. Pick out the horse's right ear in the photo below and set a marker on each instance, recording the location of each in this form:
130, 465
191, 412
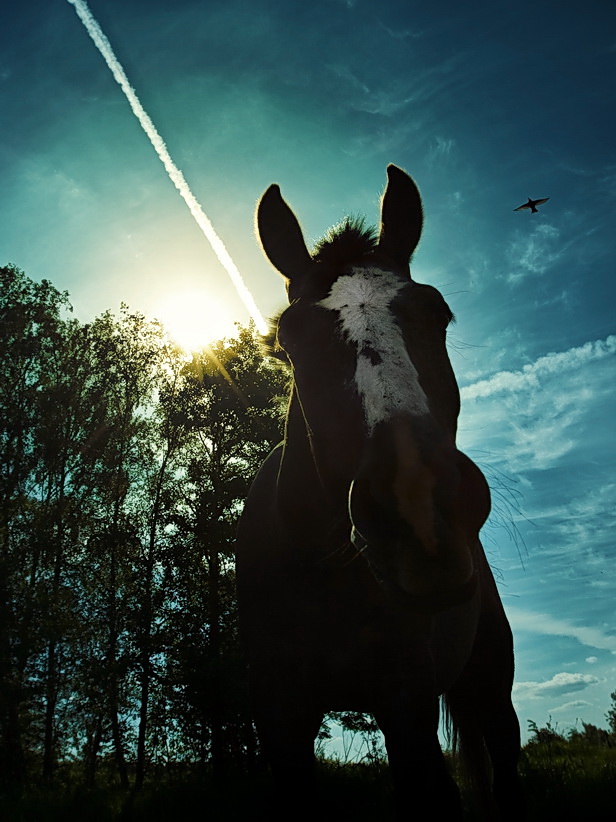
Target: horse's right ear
281, 236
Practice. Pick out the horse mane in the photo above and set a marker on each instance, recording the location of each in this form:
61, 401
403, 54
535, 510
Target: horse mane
349, 240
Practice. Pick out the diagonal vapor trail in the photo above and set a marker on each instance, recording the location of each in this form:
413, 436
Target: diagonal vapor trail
177, 178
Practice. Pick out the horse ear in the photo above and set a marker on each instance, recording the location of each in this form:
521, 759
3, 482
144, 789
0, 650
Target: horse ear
281, 236
401, 216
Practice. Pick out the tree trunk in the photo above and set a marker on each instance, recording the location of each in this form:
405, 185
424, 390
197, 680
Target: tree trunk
145, 663
51, 685
116, 730
147, 618
51, 695
91, 756
207, 529
12, 763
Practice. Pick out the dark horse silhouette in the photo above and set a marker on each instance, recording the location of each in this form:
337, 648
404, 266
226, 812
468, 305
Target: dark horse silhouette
362, 582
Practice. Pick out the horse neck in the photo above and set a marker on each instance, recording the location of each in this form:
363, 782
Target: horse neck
305, 497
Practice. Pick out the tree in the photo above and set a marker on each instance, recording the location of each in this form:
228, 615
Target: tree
123, 470
231, 407
611, 714
31, 324
127, 352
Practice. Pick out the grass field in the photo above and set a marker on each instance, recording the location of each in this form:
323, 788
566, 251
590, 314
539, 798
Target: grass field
562, 780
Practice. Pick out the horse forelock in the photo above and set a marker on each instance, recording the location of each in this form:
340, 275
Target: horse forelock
348, 240
385, 376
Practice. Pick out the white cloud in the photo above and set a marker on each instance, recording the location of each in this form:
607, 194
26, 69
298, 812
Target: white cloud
534, 253
589, 519
531, 418
530, 375
541, 443
591, 660
574, 705
538, 623
560, 684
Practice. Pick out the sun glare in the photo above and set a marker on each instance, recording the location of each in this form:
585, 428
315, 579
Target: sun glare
194, 319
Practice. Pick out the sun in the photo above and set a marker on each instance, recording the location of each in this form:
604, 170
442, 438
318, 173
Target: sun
195, 319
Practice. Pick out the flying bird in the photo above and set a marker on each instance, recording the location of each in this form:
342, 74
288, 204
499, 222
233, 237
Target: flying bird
531, 204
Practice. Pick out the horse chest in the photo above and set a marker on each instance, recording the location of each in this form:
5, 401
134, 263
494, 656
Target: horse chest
337, 634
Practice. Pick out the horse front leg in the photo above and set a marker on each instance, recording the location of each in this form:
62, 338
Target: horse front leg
488, 719
287, 729
482, 713
501, 732
423, 786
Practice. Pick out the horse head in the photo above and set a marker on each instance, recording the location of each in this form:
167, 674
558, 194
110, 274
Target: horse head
376, 392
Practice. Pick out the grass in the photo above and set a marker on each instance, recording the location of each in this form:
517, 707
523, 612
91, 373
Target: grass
562, 780
565, 780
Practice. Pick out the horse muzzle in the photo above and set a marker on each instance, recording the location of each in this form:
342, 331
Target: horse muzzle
408, 522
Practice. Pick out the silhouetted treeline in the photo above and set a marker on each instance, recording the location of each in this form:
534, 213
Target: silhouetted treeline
123, 468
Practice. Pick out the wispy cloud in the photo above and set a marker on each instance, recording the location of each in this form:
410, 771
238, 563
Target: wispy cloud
175, 175
401, 34
589, 519
533, 253
574, 705
532, 417
530, 375
547, 625
560, 684
441, 148
373, 96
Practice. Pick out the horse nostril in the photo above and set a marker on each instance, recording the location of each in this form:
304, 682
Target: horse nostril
359, 513
373, 514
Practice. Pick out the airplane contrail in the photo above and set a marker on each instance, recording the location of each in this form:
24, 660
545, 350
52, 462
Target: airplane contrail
177, 178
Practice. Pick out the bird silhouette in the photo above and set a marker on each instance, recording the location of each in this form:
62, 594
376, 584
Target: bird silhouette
531, 204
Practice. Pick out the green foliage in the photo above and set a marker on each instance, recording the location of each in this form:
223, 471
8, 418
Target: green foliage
611, 714
570, 778
361, 736
123, 469
546, 736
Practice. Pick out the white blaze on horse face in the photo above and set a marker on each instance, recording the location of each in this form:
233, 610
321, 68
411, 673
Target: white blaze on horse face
386, 379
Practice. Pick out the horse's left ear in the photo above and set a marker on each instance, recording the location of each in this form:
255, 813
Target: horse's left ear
401, 217
281, 236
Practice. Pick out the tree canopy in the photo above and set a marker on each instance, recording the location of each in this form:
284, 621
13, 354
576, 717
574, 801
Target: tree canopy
123, 469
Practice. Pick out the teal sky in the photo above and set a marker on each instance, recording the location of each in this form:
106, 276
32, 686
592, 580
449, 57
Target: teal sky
485, 104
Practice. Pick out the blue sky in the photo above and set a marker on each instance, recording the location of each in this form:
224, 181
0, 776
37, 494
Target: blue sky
485, 104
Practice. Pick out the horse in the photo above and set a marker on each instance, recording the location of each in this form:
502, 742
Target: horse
362, 582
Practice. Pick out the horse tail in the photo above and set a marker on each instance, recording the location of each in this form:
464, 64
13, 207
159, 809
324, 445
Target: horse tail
468, 748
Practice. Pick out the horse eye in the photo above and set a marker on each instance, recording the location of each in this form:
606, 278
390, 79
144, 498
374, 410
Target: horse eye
284, 337
292, 327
